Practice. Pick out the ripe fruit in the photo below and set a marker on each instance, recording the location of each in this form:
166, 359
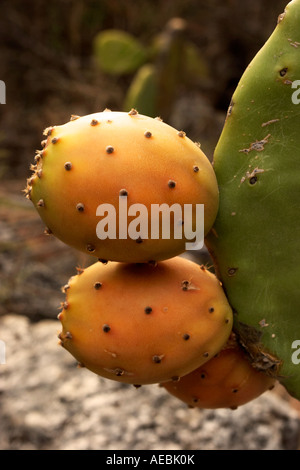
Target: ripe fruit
95, 164
226, 381
143, 323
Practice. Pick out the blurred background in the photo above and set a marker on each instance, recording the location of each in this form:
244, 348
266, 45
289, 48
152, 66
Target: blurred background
177, 59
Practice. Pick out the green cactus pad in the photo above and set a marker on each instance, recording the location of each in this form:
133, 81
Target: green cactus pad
118, 52
143, 91
255, 242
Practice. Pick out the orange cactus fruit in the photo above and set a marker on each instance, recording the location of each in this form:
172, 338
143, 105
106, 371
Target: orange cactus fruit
226, 381
144, 323
96, 172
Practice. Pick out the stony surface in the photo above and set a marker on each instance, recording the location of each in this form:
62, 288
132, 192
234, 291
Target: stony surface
47, 402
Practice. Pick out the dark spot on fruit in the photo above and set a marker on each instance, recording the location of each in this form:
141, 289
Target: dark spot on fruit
148, 134
181, 134
41, 203
148, 310
68, 335
196, 169
109, 149
137, 385
185, 285
119, 372
202, 375
47, 231
80, 207
123, 192
211, 309
171, 184
195, 400
103, 261
55, 140
90, 248
156, 359
139, 240
235, 390
94, 122
68, 166
186, 336
175, 378
206, 354
106, 328
97, 285
74, 117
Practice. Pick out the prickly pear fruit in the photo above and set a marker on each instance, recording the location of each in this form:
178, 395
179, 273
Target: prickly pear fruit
112, 158
226, 381
255, 242
144, 323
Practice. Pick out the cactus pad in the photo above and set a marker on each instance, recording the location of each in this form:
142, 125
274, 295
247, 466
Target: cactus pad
255, 241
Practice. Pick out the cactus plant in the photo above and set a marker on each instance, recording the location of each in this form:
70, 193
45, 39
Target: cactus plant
228, 380
113, 161
144, 323
255, 239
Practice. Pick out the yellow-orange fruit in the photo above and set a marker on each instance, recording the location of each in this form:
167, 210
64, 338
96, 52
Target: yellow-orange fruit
93, 172
143, 323
225, 381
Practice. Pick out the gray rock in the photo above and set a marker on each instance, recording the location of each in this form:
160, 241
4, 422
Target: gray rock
47, 402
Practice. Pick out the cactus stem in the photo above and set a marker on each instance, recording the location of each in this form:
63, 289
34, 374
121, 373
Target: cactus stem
68, 166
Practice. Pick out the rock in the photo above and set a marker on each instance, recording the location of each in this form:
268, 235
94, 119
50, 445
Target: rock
48, 403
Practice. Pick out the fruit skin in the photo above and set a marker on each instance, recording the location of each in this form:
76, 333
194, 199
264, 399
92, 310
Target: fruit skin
255, 239
226, 381
90, 160
144, 323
